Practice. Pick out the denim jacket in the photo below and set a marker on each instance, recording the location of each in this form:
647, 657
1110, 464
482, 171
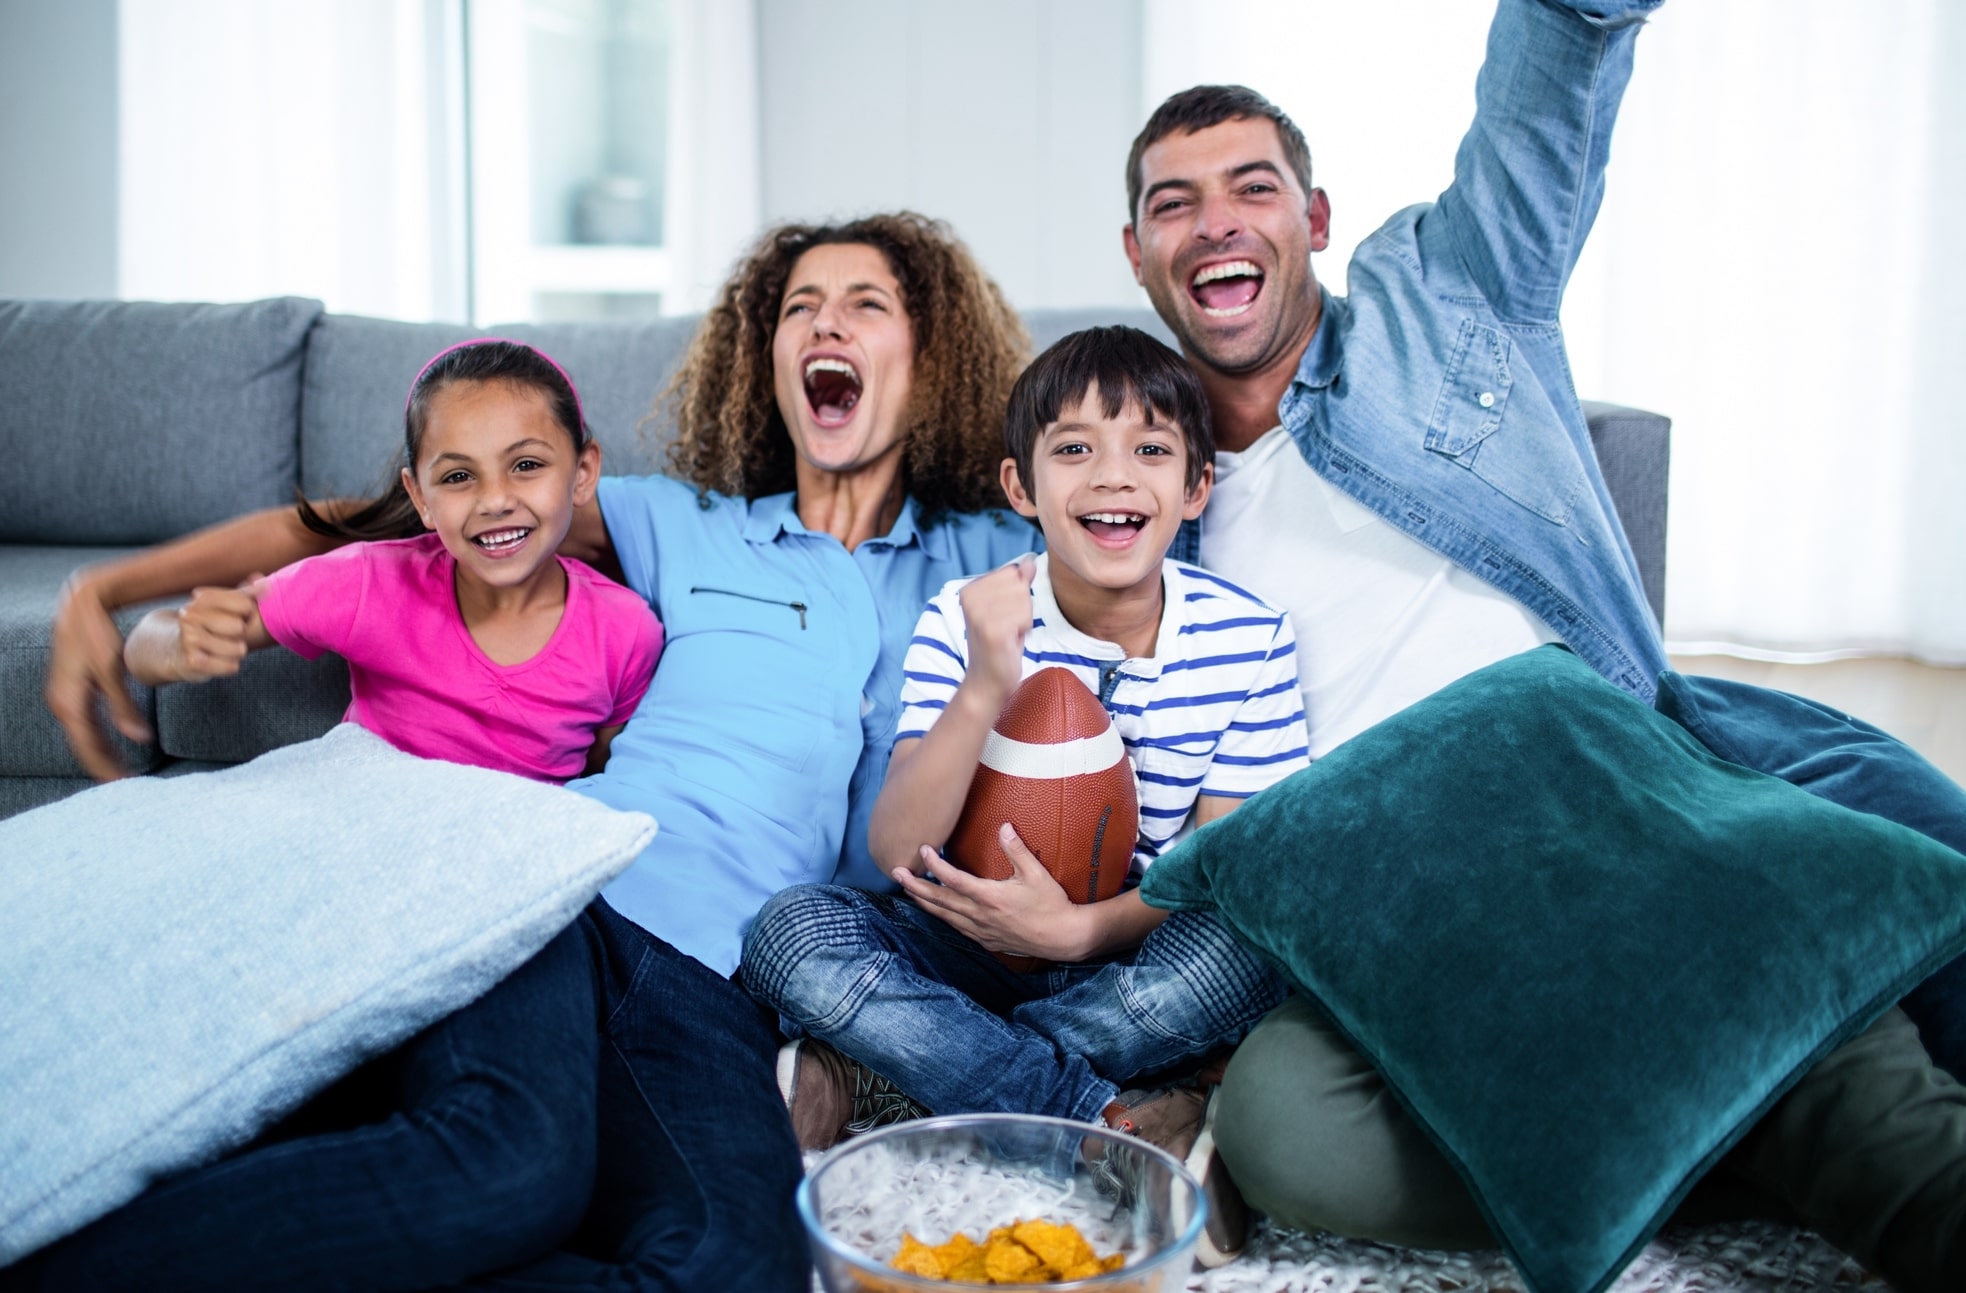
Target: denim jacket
1438, 394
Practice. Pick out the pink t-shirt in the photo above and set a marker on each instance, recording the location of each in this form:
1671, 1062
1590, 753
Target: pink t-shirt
420, 682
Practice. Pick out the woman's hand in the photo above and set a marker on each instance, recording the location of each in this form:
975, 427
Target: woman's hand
85, 664
1027, 915
997, 616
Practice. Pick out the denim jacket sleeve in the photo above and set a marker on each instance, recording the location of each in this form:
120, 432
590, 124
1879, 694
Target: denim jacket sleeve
1530, 173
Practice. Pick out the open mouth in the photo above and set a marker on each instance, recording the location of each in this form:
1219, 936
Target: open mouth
1113, 527
1226, 289
832, 389
499, 542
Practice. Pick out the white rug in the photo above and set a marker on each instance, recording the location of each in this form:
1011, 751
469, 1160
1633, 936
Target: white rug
1745, 1257
1753, 1257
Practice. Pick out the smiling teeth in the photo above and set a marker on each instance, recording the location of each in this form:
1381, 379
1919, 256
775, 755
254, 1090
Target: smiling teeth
1228, 269
500, 538
830, 366
1114, 518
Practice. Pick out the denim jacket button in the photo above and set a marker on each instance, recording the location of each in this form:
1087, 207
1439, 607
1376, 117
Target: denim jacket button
1486, 399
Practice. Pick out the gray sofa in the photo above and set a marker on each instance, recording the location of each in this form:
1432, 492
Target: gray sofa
127, 423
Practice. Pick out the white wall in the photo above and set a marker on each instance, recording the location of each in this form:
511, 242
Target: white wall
1010, 120
57, 148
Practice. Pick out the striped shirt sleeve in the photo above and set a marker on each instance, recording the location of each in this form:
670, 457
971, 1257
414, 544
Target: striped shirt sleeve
935, 664
1266, 740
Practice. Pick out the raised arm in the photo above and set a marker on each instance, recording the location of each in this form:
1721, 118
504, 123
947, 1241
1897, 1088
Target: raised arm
928, 777
1529, 175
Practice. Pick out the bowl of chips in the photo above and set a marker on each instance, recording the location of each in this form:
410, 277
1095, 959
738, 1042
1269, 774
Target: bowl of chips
1009, 1199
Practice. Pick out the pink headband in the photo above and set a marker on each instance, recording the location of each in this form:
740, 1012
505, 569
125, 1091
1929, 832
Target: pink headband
424, 372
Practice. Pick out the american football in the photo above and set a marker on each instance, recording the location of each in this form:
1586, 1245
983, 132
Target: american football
1056, 770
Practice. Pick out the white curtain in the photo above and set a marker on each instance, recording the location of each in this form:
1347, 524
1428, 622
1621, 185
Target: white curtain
269, 148
714, 180
278, 146
1776, 267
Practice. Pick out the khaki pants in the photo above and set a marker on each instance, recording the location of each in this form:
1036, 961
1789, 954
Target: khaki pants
1868, 1150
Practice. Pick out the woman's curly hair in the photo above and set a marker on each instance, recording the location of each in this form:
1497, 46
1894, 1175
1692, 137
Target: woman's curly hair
969, 347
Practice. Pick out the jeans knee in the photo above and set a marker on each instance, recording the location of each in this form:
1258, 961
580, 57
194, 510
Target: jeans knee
798, 952
513, 1168
1219, 978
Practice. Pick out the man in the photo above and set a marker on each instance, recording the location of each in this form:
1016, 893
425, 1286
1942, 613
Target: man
1409, 473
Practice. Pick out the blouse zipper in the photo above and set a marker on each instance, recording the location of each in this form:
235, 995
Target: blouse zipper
800, 607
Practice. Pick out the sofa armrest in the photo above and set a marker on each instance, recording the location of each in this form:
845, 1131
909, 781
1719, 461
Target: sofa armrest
1634, 450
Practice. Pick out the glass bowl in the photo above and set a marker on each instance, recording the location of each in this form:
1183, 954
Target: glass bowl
972, 1173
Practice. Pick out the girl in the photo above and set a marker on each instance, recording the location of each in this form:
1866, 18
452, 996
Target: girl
475, 643
473, 1146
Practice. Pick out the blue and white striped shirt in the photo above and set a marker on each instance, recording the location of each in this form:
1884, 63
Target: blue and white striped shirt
1216, 711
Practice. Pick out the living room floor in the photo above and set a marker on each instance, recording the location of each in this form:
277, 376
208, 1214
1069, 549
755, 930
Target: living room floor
1922, 705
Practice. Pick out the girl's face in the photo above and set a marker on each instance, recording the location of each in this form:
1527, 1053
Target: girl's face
498, 479
843, 358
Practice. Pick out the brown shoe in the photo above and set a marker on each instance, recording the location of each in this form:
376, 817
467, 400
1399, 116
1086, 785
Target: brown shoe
1181, 1120
1169, 1118
831, 1097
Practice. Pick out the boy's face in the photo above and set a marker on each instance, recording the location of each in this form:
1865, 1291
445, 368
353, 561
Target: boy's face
1109, 493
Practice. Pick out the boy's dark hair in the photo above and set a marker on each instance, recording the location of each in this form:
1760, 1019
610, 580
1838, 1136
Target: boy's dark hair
1211, 105
491, 359
1122, 364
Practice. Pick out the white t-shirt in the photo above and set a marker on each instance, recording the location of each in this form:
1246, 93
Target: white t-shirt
1381, 619
1212, 713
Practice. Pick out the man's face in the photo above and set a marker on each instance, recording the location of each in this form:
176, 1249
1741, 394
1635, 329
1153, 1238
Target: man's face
1222, 242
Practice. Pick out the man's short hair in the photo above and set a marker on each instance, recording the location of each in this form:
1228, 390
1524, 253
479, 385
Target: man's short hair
1124, 365
1211, 105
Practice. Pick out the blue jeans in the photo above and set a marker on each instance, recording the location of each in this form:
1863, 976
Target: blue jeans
900, 991
604, 1119
1847, 761
697, 1162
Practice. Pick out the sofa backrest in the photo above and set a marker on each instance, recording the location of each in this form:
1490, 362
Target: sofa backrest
129, 422
358, 372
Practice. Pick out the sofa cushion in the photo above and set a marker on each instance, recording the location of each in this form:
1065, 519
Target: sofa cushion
359, 372
1584, 952
31, 742
203, 953
141, 421
275, 699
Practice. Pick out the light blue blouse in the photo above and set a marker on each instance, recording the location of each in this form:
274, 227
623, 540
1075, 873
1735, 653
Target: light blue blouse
764, 737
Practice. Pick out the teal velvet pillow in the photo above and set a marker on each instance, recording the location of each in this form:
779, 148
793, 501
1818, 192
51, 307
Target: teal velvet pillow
1585, 953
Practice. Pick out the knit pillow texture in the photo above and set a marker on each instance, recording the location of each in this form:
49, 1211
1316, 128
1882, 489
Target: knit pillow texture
1585, 953
188, 958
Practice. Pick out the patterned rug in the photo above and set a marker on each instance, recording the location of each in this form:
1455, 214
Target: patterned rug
1751, 1257
1744, 1257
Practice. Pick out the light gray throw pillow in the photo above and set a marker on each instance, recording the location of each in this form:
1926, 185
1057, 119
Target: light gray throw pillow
187, 959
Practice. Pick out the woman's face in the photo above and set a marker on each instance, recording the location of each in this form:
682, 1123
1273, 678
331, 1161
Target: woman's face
843, 358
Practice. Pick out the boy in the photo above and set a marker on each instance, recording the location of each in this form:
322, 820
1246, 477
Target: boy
1110, 451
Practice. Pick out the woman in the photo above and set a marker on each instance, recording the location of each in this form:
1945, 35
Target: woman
839, 421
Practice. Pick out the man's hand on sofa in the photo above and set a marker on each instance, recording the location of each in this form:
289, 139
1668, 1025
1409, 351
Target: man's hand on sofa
85, 665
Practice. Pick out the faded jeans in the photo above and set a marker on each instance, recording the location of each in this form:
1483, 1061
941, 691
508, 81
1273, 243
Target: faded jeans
895, 988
